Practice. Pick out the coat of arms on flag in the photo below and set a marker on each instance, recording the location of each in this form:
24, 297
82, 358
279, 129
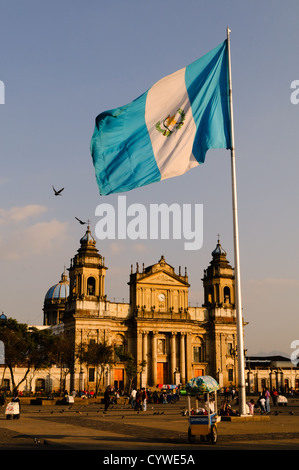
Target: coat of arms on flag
171, 123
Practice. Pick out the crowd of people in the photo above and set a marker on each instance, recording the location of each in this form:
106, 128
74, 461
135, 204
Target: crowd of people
262, 404
138, 399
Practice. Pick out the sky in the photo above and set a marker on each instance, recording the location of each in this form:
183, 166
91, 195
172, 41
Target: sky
64, 62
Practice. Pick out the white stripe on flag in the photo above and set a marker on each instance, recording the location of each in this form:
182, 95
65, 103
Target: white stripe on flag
165, 99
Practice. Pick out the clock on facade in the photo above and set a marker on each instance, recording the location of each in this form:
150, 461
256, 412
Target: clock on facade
161, 297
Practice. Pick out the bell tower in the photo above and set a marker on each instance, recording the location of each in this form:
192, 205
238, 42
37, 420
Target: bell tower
219, 281
219, 300
87, 271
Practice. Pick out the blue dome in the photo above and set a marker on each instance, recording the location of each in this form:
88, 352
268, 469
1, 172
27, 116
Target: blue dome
59, 291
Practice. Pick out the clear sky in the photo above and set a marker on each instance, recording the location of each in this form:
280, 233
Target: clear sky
63, 62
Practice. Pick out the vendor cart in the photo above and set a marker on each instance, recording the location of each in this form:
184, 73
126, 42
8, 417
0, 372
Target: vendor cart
203, 421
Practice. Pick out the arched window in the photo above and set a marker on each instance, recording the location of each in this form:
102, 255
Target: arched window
197, 349
263, 383
210, 296
226, 295
91, 286
119, 344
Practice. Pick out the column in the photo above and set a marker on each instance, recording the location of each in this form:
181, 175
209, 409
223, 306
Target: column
139, 355
182, 358
172, 356
189, 356
144, 373
154, 357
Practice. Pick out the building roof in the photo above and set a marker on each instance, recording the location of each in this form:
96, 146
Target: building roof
268, 361
59, 291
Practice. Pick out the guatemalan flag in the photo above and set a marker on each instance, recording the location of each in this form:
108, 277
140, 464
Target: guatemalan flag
167, 130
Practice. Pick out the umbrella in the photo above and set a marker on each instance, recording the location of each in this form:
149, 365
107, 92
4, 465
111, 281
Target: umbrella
202, 384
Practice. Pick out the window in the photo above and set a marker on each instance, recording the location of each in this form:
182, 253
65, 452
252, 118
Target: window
226, 294
91, 374
39, 385
5, 384
263, 383
230, 375
196, 354
210, 296
91, 286
119, 345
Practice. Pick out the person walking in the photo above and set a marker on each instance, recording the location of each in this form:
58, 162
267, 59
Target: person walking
133, 397
267, 400
274, 396
144, 399
138, 400
262, 403
107, 398
15, 399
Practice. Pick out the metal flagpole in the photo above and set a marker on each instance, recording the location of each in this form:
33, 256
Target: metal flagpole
240, 339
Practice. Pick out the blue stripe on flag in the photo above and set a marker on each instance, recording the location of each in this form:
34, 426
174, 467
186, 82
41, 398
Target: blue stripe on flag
207, 84
123, 132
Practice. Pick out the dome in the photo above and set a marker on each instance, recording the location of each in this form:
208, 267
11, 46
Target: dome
59, 291
87, 238
218, 250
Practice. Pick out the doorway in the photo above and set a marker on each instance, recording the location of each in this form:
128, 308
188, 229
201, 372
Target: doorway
162, 372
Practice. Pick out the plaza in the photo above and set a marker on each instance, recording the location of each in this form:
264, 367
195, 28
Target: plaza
162, 428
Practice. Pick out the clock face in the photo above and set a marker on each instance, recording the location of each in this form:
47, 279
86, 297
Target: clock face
161, 297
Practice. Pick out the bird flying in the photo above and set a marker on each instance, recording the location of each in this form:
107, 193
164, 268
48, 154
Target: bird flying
80, 221
57, 193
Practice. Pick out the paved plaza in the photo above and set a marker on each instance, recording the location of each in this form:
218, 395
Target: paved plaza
85, 426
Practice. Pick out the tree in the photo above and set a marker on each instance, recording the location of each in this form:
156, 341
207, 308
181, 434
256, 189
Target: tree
64, 356
31, 349
98, 355
131, 367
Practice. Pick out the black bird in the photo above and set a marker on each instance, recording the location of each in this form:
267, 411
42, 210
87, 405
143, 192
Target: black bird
57, 193
80, 221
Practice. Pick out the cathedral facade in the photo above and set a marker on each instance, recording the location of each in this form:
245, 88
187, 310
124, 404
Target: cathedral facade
157, 326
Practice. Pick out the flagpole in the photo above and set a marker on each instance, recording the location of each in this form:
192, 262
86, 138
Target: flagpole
240, 339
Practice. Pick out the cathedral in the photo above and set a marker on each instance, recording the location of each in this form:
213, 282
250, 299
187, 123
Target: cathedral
157, 326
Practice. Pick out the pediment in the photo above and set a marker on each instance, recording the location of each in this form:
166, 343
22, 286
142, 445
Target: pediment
162, 278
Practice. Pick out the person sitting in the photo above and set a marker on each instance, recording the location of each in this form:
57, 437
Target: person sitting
251, 407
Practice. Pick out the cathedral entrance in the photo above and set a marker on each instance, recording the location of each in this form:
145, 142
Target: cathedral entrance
119, 378
198, 372
162, 372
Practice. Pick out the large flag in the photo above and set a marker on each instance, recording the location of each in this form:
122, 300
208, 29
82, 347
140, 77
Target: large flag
167, 130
